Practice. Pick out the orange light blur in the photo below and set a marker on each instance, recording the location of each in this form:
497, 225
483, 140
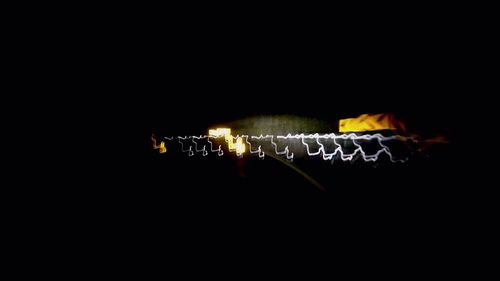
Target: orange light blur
371, 122
161, 148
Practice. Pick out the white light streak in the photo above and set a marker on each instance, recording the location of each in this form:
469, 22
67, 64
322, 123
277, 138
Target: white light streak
196, 146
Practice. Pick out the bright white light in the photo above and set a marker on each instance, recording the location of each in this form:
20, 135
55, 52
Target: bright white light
235, 144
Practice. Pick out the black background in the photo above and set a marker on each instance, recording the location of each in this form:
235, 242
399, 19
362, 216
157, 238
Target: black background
134, 81
182, 82
195, 93
125, 80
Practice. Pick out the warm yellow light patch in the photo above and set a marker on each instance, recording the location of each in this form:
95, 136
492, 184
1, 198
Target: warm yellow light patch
219, 132
230, 144
239, 146
370, 122
161, 148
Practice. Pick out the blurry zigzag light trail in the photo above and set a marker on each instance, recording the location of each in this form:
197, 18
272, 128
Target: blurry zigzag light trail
351, 130
193, 145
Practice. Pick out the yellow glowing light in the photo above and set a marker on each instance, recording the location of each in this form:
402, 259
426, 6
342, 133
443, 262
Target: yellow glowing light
240, 147
231, 145
370, 122
237, 146
219, 132
161, 148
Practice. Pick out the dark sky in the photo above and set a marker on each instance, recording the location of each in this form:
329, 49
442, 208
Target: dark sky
422, 104
424, 85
